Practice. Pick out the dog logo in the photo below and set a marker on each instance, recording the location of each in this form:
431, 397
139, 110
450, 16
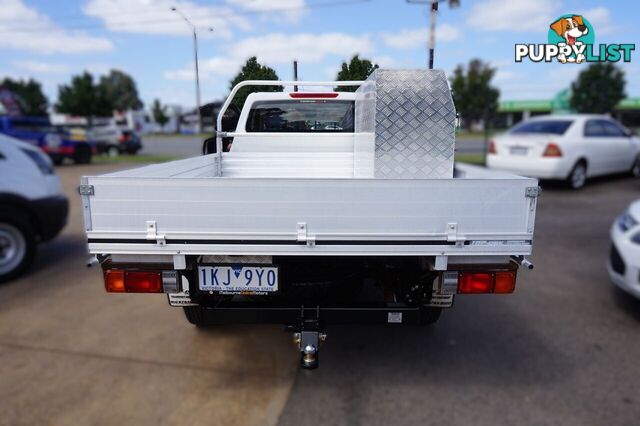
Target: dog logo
571, 40
571, 30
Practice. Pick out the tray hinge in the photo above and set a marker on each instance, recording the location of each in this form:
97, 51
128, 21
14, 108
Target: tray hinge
152, 233
532, 192
86, 190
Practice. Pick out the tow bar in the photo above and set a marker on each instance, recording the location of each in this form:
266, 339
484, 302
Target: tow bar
307, 337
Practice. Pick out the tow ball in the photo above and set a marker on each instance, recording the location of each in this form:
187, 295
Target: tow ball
308, 343
308, 336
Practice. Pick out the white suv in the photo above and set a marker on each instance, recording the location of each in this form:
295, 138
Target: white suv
32, 205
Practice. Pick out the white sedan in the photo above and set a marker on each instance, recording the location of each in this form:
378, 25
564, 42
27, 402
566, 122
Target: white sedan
570, 147
624, 259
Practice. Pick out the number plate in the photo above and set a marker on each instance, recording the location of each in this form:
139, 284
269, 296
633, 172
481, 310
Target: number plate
518, 150
238, 279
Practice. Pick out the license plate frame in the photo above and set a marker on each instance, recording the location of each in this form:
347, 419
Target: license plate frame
234, 274
519, 151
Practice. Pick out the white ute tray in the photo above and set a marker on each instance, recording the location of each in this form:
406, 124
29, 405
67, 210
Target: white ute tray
181, 207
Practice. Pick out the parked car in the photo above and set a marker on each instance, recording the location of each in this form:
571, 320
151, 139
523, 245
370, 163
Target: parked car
624, 258
56, 142
32, 206
566, 147
113, 140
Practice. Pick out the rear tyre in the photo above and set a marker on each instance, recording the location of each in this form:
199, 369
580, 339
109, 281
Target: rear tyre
429, 316
635, 169
17, 246
195, 315
82, 155
578, 176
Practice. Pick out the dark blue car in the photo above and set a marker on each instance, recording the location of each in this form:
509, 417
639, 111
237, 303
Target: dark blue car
55, 142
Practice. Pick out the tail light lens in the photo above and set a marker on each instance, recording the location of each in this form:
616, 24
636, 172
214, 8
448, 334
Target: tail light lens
552, 150
505, 282
492, 147
471, 282
475, 282
121, 281
114, 281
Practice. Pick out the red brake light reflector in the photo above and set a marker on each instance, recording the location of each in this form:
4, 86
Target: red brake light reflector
143, 282
120, 281
486, 282
307, 95
475, 282
114, 281
505, 282
552, 150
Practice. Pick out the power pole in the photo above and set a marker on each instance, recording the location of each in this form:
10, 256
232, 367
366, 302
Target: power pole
295, 74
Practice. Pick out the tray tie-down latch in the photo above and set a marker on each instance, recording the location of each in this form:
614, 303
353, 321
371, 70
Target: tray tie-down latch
152, 233
302, 236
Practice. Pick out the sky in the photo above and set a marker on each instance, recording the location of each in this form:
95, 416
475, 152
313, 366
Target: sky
53, 40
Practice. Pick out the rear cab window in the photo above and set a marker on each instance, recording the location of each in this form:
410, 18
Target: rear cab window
304, 116
550, 127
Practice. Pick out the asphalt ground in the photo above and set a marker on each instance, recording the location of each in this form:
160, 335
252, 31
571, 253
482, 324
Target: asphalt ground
563, 349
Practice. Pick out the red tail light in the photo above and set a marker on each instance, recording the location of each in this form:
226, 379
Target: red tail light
114, 281
307, 95
120, 281
552, 150
505, 282
486, 282
492, 147
475, 282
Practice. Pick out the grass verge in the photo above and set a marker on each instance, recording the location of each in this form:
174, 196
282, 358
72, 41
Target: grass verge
477, 159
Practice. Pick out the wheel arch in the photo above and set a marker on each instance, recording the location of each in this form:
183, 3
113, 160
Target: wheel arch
21, 207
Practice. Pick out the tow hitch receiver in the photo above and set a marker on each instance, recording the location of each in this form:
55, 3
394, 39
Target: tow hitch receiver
307, 337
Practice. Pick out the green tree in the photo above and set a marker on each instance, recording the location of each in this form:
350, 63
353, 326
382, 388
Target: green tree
30, 96
84, 98
159, 113
121, 91
598, 89
253, 70
473, 94
357, 69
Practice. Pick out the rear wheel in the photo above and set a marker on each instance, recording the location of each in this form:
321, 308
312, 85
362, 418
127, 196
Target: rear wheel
635, 169
82, 155
578, 176
195, 315
17, 246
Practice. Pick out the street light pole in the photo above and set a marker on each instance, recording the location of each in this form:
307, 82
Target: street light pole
432, 25
195, 56
432, 32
